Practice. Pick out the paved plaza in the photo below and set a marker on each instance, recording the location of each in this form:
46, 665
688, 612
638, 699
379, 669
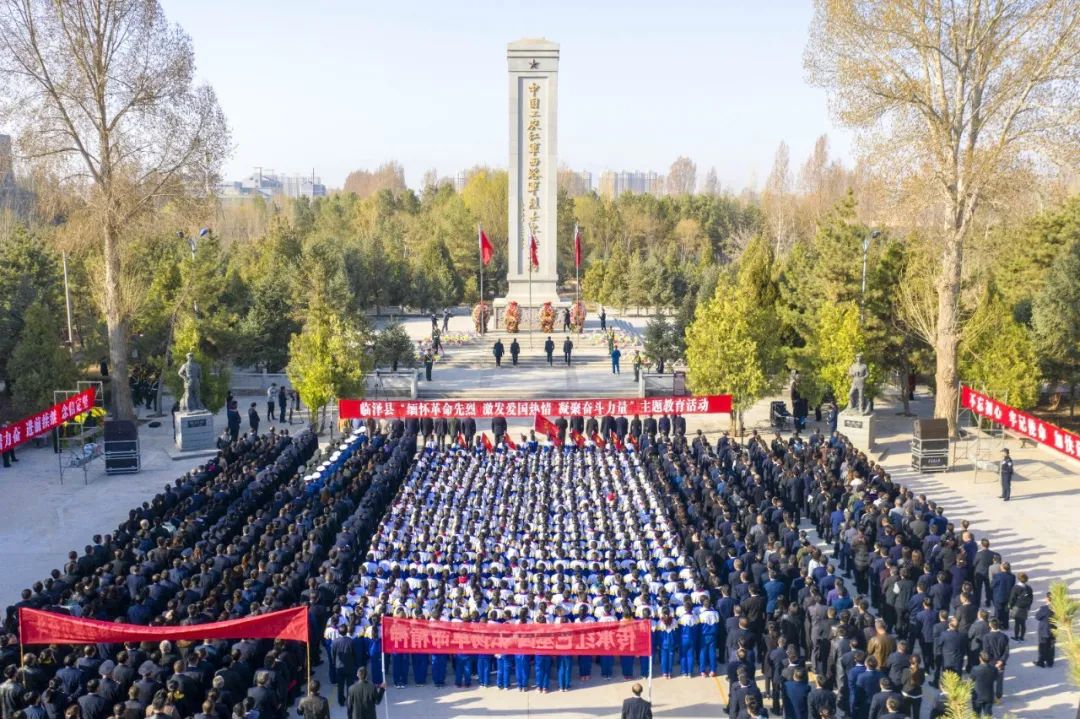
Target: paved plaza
43, 519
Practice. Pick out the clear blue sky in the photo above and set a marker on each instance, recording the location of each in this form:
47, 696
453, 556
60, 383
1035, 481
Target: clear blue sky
332, 85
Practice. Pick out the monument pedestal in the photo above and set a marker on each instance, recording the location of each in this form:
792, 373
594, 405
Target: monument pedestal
857, 427
194, 430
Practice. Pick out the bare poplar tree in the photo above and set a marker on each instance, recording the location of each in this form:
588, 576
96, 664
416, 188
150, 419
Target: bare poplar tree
103, 91
776, 198
962, 92
682, 177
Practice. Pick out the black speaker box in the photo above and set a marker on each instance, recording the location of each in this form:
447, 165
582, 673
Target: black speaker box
120, 430
931, 429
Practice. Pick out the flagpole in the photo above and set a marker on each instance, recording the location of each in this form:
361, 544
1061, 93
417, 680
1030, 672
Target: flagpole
530, 298
479, 231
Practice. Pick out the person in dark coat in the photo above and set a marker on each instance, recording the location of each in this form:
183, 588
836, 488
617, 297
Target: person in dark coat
635, 707
678, 424
985, 678
253, 417
1006, 475
622, 426
498, 426
364, 696
232, 415
442, 427
498, 351
282, 401
1044, 615
549, 350
797, 695
663, 426
343, 658
263, 696
468, 428
314, 705
92, 704
649, 426
515, 350
567, 349
561, 424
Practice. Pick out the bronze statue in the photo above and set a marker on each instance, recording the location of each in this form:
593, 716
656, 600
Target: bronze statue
858, 373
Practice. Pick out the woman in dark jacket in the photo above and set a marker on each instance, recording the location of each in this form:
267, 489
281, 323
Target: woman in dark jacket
1019, 605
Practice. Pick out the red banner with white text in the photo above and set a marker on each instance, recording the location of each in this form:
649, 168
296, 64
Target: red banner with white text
626, 638
38, 627
1021, 422
27, 428
408, 409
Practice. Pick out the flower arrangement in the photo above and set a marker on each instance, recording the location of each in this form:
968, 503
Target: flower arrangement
577, 317
547, 318
481, 315
512, 317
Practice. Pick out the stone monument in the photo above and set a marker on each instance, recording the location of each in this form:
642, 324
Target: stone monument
194, 424
534, 74
857, 421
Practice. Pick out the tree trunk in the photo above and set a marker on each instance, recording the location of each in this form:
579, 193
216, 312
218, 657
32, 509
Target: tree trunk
114, 321
946, 374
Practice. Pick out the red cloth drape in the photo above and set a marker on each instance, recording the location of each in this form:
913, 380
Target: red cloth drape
38, 627
630, 639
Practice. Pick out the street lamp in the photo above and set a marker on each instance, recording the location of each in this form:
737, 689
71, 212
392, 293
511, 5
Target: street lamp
874, 234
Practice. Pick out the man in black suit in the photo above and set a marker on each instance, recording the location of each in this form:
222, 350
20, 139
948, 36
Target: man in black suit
498, 426
561, 424
985, 678
468, 428
1045, 617
649, 425
635, 707
952, 648
549, 350
364, 696
567, 349
93, 705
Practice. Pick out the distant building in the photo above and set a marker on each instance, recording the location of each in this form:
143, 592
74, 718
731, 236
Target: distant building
12, 197
270, 184
575, 183
613, 184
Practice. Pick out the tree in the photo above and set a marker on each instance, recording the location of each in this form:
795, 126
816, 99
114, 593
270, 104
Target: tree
776, 200
39, 363
722, 351
682, 177
29, 274
997, 354
968, 93
327, 360
661, 344
394, 347
1056, 322
364, 183
1066, 633
839, 337
269, 323
711, 185
104, 93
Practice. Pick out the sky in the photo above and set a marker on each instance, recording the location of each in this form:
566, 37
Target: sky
338, 85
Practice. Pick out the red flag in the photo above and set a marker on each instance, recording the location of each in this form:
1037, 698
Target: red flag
615, 440
598, 440
507, 441
578, 437
534, 255
577, 247
630, 439
486, 250
460, 439
487, 442
545, 426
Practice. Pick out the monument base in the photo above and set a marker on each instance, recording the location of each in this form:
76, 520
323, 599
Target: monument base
857, 427
194, 431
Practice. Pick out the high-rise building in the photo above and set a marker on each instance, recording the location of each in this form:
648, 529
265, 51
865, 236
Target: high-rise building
613, 184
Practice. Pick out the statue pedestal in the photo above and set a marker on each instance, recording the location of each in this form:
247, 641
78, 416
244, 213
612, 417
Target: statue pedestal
194, 430
857, 427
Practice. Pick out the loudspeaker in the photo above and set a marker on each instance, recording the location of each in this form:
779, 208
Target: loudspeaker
121, 430
930, 463
121, 465
931, 429
929, 446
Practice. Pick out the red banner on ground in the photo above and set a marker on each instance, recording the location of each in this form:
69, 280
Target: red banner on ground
405, 409
1021, 422
27, 428
38, 627
632, 639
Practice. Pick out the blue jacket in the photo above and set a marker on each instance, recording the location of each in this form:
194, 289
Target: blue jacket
1001, 587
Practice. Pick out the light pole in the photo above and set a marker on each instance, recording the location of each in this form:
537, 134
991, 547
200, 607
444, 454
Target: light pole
865, 251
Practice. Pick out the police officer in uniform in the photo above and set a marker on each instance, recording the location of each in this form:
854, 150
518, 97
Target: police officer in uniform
1006, 475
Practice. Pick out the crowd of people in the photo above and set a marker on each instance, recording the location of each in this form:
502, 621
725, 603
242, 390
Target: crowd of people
797, 560
265, 525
